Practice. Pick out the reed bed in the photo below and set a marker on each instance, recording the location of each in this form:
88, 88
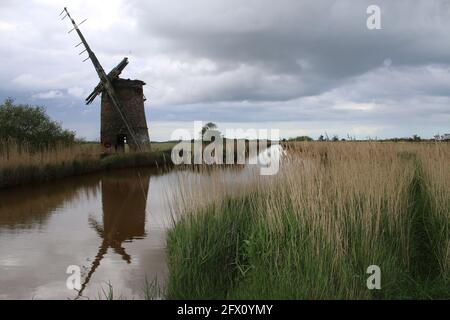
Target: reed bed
311, 231
21, 164
436, 175
13, 154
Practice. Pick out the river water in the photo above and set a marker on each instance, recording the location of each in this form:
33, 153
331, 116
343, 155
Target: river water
111, 225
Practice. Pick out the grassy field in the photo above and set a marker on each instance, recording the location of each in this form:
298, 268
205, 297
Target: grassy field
312, 231
19, 165
163, 146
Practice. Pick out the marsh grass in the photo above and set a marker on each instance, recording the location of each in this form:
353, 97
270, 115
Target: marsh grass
153, 290
312, 231
20, 164
14, 155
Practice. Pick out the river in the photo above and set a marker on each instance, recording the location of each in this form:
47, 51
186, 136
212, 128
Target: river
111, 225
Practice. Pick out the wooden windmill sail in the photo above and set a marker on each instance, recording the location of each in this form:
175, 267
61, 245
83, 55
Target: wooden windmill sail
126, 120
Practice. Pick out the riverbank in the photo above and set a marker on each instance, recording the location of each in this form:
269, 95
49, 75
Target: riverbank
21, 166
312, 231
18, 166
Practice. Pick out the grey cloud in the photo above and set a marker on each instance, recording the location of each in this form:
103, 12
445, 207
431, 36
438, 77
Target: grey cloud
329, 36
235, 61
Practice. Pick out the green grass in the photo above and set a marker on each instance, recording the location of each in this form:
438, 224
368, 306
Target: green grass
315, 236
163, 146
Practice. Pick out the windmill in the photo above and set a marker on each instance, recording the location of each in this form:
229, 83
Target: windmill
122, 102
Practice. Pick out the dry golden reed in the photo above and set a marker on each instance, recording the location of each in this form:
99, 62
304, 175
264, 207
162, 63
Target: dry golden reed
312, 230
14, 155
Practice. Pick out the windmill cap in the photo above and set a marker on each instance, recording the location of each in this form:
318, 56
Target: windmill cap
128, 83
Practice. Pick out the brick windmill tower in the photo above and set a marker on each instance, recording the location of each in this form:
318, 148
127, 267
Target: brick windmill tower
122, 104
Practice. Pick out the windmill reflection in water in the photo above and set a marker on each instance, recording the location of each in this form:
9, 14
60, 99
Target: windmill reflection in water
124, 202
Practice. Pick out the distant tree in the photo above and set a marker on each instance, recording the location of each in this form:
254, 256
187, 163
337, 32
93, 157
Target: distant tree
335, 138
208, 126
301, 138
210, 130
31, 125
321, 138
416, 138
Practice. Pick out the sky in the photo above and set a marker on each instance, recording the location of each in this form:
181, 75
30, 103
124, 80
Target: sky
304, 67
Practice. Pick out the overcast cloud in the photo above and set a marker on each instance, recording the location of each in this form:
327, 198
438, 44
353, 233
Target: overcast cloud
306, 67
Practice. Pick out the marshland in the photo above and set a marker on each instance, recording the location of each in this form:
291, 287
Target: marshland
311, 231
112, 185
308, 232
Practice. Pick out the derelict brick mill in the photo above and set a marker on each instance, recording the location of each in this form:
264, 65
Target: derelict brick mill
123, 118
113, 132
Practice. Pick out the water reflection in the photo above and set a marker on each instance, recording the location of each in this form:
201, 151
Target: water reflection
124, 201
112, 225
31, 207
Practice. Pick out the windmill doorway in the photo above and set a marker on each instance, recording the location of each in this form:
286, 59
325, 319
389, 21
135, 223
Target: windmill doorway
122, 143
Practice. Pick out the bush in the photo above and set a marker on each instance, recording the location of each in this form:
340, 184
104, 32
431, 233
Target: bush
30, 125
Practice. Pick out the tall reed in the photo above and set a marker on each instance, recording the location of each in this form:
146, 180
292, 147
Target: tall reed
22, 164
436, 176
311, 231
13, 154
